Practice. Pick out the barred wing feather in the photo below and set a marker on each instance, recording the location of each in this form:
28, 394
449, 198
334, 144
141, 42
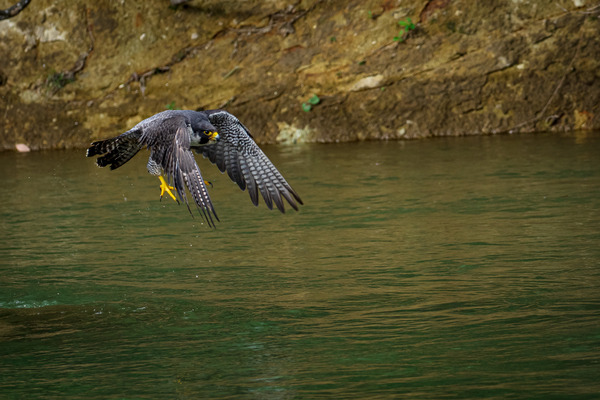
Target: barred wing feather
246, 164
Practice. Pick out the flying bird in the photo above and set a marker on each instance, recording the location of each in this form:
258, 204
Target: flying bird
219, 136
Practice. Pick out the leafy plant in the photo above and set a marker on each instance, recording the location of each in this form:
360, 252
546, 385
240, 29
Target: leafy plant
405, 27
171, 105
58, 80
313, 101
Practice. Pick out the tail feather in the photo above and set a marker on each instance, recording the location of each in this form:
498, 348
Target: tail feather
117, 151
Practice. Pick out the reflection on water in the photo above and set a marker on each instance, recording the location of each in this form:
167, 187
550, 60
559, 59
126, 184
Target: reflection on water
450, 268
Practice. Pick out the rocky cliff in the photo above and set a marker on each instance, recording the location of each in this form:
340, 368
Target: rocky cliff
300, 71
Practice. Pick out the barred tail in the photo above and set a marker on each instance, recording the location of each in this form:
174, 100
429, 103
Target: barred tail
118, 150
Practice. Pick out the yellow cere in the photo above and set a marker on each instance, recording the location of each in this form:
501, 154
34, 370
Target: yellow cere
213, 135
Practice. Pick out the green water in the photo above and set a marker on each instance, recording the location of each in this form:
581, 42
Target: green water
461, 268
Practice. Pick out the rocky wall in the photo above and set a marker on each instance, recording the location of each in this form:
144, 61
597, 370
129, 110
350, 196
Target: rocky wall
300, 71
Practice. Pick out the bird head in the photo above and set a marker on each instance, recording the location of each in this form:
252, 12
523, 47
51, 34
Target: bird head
205, 132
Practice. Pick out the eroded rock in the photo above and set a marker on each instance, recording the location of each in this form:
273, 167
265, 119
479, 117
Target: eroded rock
74, 71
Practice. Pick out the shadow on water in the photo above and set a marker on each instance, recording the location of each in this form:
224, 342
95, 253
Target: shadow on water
451, 268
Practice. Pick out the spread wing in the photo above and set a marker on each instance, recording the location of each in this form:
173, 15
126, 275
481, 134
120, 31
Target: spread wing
169, 142
246, 164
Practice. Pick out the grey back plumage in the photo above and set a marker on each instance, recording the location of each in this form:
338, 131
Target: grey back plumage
170, 136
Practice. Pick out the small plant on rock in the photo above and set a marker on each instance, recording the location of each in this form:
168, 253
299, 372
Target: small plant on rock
58, 80
405, 27
313, 101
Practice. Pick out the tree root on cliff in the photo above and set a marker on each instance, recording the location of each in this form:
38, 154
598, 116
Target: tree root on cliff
541, 114
58, 80
283, 20
14, 10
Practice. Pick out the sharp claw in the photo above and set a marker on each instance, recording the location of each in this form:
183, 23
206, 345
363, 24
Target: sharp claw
164, 187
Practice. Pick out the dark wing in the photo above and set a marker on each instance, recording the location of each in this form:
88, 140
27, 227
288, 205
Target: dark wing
169, 141
246, 164
116, 151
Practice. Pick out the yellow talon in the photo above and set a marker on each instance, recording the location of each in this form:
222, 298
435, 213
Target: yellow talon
164, 187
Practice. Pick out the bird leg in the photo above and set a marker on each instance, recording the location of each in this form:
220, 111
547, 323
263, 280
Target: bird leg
164, 187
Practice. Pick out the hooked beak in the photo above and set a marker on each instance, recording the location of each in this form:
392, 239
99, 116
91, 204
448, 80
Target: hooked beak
214, 136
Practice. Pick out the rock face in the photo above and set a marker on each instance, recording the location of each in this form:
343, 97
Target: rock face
300, 71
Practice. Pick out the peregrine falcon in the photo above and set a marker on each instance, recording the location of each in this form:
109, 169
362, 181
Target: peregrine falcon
219, 136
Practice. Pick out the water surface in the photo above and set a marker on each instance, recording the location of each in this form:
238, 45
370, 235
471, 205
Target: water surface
462, 268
